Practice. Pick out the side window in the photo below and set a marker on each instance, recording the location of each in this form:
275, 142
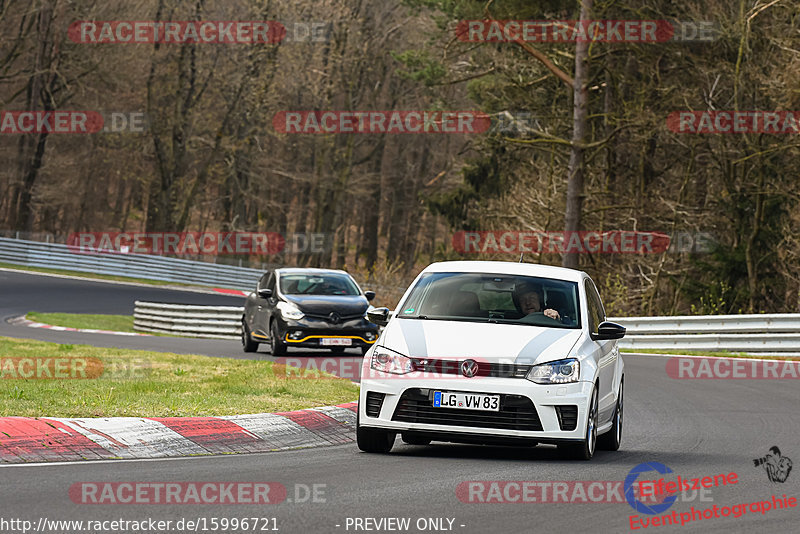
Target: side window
271, 283
594, 306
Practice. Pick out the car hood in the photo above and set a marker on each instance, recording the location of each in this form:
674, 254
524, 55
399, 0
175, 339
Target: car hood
345, 305
491, 342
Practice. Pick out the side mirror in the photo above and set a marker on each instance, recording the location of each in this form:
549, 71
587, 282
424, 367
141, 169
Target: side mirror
369, 294
609, 330
379, 316
265, 293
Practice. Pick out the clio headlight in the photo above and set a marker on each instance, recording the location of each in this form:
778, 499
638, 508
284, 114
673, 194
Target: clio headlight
388, 361
557, 372
290, 311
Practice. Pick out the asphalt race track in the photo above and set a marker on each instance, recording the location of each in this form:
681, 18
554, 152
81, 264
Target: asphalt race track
695, 427
21, 293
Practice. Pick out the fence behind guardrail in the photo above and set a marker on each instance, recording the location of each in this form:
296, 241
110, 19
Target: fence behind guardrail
57, 256
777, 334
762, 334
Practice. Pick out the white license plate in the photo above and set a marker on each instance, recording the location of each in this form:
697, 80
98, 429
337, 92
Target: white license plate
466, 401
337, 341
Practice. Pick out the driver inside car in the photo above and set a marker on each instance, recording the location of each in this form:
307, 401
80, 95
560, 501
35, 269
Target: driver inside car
531, 301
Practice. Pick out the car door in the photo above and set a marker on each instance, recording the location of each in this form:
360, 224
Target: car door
606, 352
261, 317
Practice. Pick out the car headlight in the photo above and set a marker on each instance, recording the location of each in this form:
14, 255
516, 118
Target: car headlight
558, 372
290, 311
388, 361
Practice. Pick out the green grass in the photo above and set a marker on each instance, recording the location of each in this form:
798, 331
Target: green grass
116, 323
153, 384
95, 276
717, 354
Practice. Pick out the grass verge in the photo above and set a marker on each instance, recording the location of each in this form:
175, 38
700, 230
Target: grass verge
718, 354
115, 323
153, 384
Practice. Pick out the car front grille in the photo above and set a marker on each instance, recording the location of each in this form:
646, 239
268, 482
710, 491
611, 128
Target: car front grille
374, 403
342, 318
567, 416
453, 367
517, 412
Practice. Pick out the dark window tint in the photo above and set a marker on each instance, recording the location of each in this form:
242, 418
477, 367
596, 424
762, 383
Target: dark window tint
318, 284
483, 297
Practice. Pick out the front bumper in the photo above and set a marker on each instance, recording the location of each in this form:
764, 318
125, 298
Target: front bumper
548, 400
310, 333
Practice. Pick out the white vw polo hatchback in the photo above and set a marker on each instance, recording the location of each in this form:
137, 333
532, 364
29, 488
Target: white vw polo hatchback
494, 352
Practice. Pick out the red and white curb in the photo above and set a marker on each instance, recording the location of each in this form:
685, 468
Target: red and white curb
231, 291
28, 439
22, 321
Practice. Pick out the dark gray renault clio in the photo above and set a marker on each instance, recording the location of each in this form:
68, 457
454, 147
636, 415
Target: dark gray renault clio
307, 308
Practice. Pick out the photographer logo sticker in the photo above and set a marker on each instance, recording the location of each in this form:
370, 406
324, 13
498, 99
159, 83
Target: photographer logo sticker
630, 496
777, 467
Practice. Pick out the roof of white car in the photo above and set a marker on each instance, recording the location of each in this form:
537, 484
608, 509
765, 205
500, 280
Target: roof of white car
506, 267
308, 270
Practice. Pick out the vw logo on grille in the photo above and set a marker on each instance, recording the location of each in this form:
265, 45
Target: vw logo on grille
469, 368
334, 317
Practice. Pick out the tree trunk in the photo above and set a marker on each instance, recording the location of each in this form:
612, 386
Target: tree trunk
575, 180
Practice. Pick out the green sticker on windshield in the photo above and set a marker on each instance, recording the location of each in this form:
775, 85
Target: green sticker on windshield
410, 310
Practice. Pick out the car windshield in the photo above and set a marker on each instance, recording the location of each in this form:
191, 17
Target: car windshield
318, 284
504, 298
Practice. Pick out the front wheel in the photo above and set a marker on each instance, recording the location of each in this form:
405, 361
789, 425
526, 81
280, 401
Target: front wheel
610, 440
275, 342
248, 345
585, 449
373, 439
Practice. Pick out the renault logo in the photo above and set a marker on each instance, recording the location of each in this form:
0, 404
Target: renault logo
469, 368
334, 318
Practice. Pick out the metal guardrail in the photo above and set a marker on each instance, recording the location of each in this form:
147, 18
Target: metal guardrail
217, 322
761, 334
777, 334
58, 256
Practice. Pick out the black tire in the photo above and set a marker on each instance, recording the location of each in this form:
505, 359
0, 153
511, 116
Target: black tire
277, 345
411, 439
374, 440
364, 351
611, 440
585, 449
248, 345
